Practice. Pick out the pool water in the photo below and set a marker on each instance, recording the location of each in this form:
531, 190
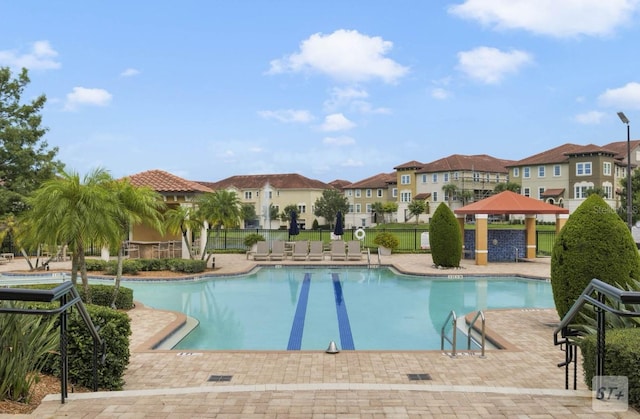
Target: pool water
306, 308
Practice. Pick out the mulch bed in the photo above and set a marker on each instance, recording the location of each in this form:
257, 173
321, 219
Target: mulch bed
46, 384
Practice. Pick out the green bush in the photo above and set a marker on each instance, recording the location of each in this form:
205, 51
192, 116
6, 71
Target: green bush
253, 238
187, 265
95, 264
621, 358
129, 267
386, 239
24, 342
594, 243
114, 328
445, 238
102, 295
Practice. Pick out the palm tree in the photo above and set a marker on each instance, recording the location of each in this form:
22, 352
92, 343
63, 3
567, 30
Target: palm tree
137, 205
220, 209
182, 220
73, 211
449, 189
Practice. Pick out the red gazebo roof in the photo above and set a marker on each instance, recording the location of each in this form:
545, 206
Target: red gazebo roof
508, 202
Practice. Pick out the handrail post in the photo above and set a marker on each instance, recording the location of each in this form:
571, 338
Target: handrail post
600, 345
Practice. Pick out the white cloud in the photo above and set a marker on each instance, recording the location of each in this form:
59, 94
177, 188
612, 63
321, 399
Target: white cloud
41, 57
337, 122
352, 163
590, 118
81, 96
343, 55
627, 96
440, 93
287, 115
490, 65
557, 18
130, 72
338, 141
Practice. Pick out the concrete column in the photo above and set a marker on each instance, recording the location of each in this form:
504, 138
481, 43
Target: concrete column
530, 224
561, 220
461, 218
482, 252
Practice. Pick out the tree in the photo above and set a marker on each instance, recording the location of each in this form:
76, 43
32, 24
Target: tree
220, 209
594, 243
389, 208
507, 186
328, 205
378, 210
635, 198
248, 212
73, 211
449, 190
285, 215
183, 220
444, 238
136, 205
417, 207
25, 158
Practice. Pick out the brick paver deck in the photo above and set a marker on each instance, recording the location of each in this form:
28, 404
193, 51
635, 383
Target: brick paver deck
522, 381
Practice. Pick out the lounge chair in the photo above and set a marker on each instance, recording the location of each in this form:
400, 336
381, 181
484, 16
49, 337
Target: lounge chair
353, 250
277, 250
300, 250
3, 260
316, 250
338, 250
262, 251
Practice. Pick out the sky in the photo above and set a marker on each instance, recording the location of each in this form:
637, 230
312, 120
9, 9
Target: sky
327, 89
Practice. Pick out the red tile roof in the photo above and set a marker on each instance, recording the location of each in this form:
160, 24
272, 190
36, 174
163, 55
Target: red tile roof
508, 202
381, 180
281, 181
413, 164
620, 148
552, 192
339, 183
162, 181
479, 163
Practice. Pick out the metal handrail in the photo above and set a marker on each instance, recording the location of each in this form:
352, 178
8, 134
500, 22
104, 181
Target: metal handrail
479, 314
454, 320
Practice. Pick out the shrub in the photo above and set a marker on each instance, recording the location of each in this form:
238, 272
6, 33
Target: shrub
129, 267
386, 239
187, 265
96, 264
445, 238
24, 341
253, 238
102, 295
621, 358
594, 243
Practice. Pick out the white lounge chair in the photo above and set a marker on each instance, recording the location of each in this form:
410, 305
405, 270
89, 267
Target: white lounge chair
316, 250
277, 250
262, 251
354, 252
338, 250
300, 250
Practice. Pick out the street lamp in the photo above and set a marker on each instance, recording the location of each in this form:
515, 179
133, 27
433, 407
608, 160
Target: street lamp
625, 120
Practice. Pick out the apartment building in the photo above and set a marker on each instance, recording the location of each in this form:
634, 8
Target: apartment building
363, 194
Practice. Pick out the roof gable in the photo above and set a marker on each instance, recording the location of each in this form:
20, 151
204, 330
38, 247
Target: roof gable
161, 181
508, 202
478, 162
277, 181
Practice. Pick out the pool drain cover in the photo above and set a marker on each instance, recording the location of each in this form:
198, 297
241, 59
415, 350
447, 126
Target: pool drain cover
419, 377
218, 378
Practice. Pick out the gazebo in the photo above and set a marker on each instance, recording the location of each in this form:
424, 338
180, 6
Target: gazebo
508, 202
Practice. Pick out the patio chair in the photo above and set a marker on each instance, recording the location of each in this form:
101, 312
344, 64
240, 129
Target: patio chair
316, 250
262, 251
131, 250
300, 250
354, 252
277, 250
160, 250
338, 250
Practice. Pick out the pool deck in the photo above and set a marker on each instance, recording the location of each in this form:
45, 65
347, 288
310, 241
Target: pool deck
523, 381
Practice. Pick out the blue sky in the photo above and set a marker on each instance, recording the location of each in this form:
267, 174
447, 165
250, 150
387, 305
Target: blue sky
327, 89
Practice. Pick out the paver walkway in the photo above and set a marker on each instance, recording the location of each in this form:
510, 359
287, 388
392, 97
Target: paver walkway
520, 382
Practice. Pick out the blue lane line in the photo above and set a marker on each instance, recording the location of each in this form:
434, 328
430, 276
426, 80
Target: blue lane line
346, 339
297, 327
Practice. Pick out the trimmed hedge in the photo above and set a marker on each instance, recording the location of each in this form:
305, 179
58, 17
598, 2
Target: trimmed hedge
445, 238
133, 266
621, 358
594, 243
100, 294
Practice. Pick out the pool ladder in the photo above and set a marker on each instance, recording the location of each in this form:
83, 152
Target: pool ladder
369, 265
453, 320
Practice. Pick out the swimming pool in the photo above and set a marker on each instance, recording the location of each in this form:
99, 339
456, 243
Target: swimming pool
294, 308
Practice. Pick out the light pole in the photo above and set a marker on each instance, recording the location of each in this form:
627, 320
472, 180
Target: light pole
625, 120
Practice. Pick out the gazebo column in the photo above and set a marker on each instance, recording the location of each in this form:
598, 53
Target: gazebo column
530, 224
482, 252
561, 220
461, 218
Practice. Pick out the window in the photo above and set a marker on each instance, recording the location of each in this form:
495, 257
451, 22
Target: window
394, 192
516, 172
434, 178
405, 179
435, 197
540, 171
379, 193
302, 208
526, 192
368, 193
368, 208
498, 178
608, 191
247, 195
583, 169
606, 168
424, 178
350, 207
580, 191
358, 207
349, 192
445, 177
456, 175
476, 177
540, 192
358, 193
526, 172
405, 197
